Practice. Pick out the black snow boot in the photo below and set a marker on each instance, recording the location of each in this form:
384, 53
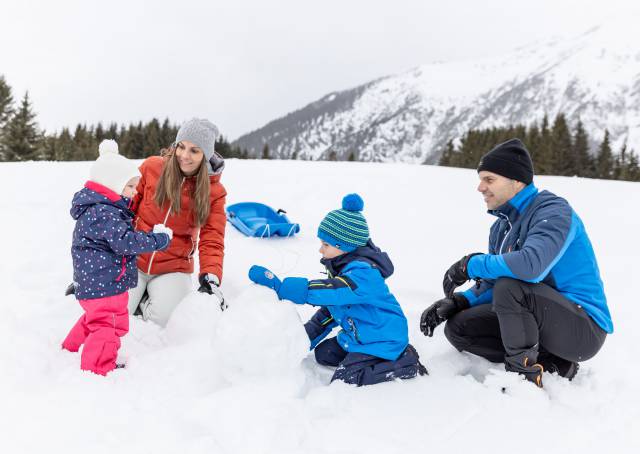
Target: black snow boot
564, 368
523, 365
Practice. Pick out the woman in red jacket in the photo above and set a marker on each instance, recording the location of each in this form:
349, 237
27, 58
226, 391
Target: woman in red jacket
181, 189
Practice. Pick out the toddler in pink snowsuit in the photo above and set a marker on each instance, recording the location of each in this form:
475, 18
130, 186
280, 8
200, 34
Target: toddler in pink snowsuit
104, 250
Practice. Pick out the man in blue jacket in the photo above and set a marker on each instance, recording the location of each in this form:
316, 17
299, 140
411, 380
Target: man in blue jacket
538, 303
372, 345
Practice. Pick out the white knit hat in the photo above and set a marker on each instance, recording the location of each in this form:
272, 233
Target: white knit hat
111, 169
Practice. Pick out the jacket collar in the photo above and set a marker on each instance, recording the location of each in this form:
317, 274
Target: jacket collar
117, 200
102, 190
518, 203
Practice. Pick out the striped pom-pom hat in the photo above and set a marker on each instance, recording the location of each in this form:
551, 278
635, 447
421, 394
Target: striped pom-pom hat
346, 228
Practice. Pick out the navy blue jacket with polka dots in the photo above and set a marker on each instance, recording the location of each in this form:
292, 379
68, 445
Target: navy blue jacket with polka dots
105, 245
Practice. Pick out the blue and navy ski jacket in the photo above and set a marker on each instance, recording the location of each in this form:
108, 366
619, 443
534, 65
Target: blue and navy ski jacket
356, 295
104, 245
539, 238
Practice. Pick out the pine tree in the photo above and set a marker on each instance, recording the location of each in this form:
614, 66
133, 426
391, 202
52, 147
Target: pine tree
583, 160
620, 164
132, 144
99, 133
633, 167
352, 157
152, 138
85, 146
65, 147
112, 133
532, 139
47, 147
447, 155
21, 137
604, 160
544, 154
333, 156
6, 110
224, 148
167, 133
265, 151
563, 160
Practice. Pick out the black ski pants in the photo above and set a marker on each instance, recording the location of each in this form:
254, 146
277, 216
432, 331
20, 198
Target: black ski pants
525, 319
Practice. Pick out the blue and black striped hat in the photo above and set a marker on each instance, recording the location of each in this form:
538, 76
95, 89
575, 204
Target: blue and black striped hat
345, 229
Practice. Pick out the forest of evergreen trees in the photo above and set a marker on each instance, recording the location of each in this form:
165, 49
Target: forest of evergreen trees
556, 149
22, 140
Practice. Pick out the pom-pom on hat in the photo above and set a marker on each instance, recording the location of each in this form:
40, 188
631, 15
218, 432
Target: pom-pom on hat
346, 228
111, 169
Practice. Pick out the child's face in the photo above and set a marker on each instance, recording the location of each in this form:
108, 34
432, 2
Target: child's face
130, 188
328, 251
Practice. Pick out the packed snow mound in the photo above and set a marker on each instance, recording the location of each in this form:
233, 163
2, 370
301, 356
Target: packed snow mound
268, 332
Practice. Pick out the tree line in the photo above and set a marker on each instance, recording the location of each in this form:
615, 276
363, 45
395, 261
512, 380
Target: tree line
22, 140
555, 149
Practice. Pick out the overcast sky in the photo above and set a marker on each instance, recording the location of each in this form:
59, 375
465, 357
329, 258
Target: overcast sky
242, 63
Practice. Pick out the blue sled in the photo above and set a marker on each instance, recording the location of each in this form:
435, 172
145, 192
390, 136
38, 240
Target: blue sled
259, 220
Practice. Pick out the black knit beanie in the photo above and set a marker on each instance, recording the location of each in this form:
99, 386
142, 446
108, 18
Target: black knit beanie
509, 159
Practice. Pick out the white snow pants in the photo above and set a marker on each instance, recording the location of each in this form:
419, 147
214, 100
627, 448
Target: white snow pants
165, 293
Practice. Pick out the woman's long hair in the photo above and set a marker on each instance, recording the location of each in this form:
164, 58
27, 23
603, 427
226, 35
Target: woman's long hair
170, 186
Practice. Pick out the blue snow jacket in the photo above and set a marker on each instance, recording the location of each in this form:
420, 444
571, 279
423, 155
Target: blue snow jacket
104, 245
539, 238
359, 301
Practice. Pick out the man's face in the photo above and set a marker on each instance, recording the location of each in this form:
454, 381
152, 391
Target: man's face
496, 189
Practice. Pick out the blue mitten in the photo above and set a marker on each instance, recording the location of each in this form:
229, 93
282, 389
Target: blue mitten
261, 275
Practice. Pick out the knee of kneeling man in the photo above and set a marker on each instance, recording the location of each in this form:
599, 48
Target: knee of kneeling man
506, 291
506, 285
452, 329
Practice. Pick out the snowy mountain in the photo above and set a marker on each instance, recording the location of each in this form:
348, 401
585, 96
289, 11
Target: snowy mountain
244, 381
410, 117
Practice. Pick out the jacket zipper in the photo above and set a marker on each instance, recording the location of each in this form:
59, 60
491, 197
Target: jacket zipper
354, 329
193, 249
165, 223
124, 265
506, 234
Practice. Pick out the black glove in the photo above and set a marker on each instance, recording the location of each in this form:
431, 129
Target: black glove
440, 311
456, 275
70, 290
209, 284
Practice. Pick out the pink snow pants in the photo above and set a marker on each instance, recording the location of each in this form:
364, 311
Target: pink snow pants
100, 328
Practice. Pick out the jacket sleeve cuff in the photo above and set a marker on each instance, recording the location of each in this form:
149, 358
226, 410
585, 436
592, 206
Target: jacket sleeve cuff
162, 241
487, 266
294, 289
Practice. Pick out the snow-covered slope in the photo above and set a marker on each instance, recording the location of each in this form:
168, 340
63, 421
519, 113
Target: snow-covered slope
244, 382
410, 117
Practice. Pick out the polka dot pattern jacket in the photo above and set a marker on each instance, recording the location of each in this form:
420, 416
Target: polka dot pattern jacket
105, 246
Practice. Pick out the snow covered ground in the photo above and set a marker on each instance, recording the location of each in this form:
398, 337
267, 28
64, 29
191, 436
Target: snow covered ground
243, 381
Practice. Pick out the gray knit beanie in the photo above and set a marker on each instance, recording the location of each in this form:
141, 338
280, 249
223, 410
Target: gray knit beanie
203, 134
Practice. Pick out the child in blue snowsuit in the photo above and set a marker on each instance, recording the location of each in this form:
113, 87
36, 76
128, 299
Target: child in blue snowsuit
104, 250
373, 343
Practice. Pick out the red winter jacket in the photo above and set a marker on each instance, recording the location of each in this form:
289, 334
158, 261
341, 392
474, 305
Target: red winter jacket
178, 257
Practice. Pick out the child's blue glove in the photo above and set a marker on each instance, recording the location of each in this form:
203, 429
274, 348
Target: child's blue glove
261, 275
